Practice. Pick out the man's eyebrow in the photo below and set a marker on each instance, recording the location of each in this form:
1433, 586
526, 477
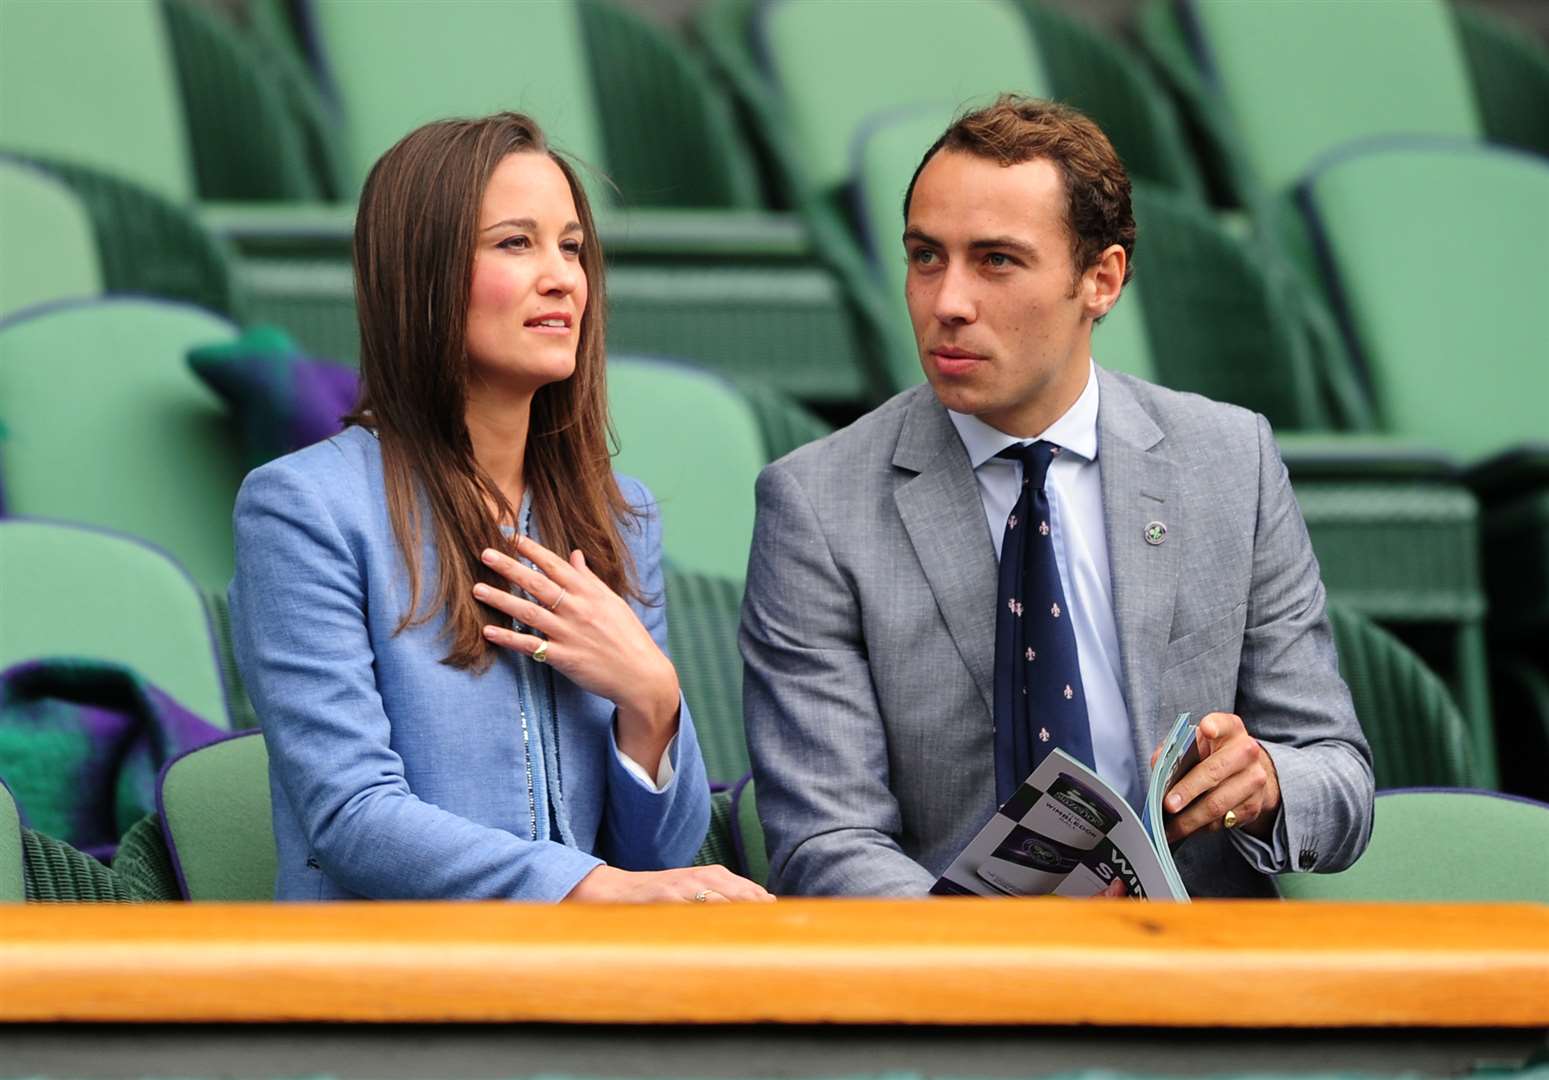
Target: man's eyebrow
529, 223
1010, 243
914, 233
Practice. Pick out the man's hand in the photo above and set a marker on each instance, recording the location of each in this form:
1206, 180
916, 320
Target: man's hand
1234, 773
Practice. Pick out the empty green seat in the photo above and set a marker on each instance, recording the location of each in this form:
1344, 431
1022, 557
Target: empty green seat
50, 252
145, 613
108, 426
13, 888
748, 832
1448, 327
1288, 81
1443, 847
1418, 737
703, 613
217, 821
94, 82
696, 444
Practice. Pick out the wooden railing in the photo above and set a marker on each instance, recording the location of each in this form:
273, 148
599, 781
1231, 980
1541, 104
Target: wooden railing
1042, 962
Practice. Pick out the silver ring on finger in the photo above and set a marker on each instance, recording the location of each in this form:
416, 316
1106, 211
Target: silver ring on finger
558, 600
703, 896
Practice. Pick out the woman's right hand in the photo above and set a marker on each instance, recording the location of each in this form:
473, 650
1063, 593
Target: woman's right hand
711, 884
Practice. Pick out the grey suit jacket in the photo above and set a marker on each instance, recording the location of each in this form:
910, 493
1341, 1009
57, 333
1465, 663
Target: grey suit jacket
868, 633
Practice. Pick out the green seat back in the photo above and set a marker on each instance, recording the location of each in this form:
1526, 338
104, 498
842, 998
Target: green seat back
887, 151
215, 814
13, 884
695, 443
49, 251
703, 612
397, 66
1418, 737
93, 81
145, 612
1450, 327
718, 848
835, 65
749, 833
106, 425
1299, 79
1443, 846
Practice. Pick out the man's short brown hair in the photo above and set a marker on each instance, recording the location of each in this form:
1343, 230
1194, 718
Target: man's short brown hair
1016, 129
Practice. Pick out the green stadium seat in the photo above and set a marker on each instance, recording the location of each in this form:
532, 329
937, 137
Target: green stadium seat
140, 242
143, 865
217, 821
109, 427
1279, 83
50, 252
146, 613
13, 884
95, 82
718, 849
703, 613
1443, 847
748, 832
1447, 329
58, 873
1418, 737
1510, 73
695, 442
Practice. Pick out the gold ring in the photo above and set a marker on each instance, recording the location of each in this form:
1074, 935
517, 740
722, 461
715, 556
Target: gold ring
702, 896
541, 654
1230, 820
558, 600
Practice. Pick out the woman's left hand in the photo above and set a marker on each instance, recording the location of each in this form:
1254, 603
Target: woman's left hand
593, 637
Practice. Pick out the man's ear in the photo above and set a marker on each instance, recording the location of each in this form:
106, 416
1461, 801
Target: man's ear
1103, 281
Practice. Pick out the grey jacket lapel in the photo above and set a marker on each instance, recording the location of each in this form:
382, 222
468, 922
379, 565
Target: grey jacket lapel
1138, 488
944, 517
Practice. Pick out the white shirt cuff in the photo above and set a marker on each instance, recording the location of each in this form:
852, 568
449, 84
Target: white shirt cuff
664, 771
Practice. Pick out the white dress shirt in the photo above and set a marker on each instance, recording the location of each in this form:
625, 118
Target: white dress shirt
1075, 491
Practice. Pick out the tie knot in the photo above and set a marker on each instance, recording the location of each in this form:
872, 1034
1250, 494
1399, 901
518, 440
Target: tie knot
1035, 458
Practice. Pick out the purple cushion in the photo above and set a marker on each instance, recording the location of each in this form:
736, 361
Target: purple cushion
282, 399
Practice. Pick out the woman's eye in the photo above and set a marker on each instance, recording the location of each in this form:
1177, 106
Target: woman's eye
571, 247
514, 242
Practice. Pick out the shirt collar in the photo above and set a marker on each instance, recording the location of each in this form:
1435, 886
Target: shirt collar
1076, 430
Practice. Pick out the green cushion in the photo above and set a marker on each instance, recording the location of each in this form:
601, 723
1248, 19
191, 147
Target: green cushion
93, 81
216, 817
837, 64
58, 873
146, 613
50, 251
1443, 846
397, 66
143, 865
696, 444
13, 888
887, 151
1418, 239
1302, 78
107, 426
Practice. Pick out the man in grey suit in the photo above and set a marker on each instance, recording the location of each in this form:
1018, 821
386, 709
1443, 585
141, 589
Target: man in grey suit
869, 628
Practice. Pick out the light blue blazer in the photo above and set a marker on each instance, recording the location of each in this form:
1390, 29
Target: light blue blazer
393, 774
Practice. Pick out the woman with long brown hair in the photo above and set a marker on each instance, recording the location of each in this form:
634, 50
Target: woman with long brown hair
453, 708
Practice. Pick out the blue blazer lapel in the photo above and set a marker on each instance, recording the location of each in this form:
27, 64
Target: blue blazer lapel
1138, 488
944, 517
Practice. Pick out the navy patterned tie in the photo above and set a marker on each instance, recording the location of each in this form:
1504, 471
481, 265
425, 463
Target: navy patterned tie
1039, 703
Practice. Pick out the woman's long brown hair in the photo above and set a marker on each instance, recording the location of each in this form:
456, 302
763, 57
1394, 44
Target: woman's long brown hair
415, 235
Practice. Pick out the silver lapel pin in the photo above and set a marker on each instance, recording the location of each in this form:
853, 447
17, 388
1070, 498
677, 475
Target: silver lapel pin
1156, 533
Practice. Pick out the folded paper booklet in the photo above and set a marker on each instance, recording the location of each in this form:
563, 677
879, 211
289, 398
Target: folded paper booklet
1067, 833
